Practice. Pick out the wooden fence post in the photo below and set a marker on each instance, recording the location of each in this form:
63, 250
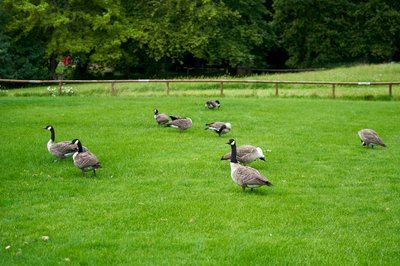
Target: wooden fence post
112, 88
221, 86
276, 89
167, 88
390, 90
333, 90
59, 88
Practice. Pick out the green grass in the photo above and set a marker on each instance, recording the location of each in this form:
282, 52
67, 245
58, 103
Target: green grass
163, 197
358, 73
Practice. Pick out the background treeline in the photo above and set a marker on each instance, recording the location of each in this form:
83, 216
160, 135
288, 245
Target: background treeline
146, 38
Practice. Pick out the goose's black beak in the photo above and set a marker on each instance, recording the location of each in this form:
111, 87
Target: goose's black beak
263, 158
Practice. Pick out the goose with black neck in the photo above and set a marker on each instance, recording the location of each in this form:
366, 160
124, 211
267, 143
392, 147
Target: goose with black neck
244, 176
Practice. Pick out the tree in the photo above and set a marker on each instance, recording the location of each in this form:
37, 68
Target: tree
218, 32
319, 33
22, 58
91, 30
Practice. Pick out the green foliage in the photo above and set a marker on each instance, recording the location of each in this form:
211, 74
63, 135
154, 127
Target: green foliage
103, 32
163, 197
21, 58
319, 34
151, 38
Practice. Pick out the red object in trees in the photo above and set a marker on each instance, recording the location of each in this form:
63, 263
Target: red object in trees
66, 60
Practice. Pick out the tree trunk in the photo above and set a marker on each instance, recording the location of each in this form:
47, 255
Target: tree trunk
53, 65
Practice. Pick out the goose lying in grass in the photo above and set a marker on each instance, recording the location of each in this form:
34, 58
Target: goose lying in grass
212, 104
60, 149
245, 176
219, 127
370, 137
246, 154
181, 123
161, 119
84, 160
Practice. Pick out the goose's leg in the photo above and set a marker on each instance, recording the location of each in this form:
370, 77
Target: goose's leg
83, 172
94, 172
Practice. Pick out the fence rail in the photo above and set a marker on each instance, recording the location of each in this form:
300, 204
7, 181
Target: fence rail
220, 81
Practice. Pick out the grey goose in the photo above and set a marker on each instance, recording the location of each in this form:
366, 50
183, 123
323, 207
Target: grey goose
370, 137
181, 123
212, 104
219, 127
161, 119
84, 160
244, 176
246, 154
60, 149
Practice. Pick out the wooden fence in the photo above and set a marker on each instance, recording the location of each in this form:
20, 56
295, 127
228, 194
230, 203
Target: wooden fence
221, 83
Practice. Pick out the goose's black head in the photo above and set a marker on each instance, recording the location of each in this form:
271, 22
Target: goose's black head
48, 127
155, 111
363, 143
78, 143
75, 141
220, 130
231, 142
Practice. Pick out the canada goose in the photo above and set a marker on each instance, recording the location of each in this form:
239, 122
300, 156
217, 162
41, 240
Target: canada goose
212, 104
369, 136
84, 160
181, 123
219, 127
60, 149
161, 119
246, 154
245, 176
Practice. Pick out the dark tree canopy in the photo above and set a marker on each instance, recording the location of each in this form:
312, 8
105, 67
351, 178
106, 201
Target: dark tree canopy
152, 36
318, 33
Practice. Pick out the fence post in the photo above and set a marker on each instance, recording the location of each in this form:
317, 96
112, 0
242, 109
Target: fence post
112, 88
390, 90
59, 87
276, 88
167, 88
333, 90
221, 86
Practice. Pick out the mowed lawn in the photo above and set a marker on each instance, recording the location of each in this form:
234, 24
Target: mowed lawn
164, 197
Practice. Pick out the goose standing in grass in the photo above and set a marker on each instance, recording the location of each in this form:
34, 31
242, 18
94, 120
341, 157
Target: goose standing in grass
84, 160
370, 137
181, 123
245, 176
212, 104
60, 149
161, 119
219, 127
246, 154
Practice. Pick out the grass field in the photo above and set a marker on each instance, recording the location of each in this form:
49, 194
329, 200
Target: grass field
163, 197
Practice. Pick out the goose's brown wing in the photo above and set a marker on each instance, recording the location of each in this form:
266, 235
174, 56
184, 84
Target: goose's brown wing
250, 176
181, 123
162, 118
242, 153
370, 137
86, 159
215, 125
60, 149
245, 151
